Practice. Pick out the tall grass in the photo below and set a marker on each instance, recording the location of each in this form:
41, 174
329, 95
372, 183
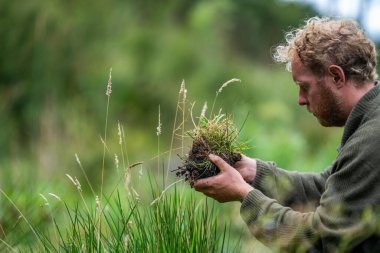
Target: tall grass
116, 221
178, 223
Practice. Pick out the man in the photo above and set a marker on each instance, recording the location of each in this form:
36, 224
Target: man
334, 65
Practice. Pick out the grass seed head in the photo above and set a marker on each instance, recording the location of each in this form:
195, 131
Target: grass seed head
227, 83
45, 199
109, 85
119, 133
55, 196
116, 162
159, 122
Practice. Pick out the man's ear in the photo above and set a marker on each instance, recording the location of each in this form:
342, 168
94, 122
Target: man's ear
337, 75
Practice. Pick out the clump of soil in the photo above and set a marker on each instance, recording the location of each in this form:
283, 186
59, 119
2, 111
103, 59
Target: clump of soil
217, 136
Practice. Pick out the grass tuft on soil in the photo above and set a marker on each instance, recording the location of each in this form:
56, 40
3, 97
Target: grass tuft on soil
218, 136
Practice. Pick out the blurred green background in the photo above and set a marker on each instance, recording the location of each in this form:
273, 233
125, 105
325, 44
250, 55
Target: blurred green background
55, 58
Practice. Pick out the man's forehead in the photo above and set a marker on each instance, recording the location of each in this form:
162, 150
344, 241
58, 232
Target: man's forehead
296, 67
296, 60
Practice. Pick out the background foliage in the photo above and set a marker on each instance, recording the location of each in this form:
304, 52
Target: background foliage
54, 63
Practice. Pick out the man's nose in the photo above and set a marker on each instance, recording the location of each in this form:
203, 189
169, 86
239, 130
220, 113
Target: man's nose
301, 99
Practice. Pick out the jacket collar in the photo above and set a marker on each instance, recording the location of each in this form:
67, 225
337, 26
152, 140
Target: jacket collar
355, 119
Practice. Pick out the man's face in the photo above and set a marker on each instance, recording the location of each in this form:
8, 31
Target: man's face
318, 94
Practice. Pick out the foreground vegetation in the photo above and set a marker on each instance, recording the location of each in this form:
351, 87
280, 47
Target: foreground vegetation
175, 224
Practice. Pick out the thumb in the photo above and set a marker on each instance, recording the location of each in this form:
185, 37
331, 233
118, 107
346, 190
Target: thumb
219, 162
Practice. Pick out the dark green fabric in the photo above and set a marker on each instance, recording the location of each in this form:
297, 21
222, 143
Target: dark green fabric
333, 211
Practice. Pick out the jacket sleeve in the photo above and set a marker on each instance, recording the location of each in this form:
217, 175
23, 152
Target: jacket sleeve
293, 189
345, 214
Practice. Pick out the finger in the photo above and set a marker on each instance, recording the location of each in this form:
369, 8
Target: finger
218, 161
201, 184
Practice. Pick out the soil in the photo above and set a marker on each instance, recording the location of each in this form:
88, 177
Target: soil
195, 166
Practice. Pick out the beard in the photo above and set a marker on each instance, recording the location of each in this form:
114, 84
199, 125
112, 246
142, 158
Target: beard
329, 111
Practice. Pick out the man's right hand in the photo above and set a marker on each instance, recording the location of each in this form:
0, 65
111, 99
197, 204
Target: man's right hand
247, 168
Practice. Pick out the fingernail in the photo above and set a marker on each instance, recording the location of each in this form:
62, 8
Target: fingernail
211, 156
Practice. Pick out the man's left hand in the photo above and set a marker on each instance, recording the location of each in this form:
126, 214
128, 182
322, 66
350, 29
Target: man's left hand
227, 186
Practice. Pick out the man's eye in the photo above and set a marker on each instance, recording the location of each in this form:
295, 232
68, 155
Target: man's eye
304, 87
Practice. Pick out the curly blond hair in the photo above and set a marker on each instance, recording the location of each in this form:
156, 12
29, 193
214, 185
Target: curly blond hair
325, 41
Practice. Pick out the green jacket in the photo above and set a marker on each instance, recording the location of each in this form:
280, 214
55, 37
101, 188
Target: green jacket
333, 211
